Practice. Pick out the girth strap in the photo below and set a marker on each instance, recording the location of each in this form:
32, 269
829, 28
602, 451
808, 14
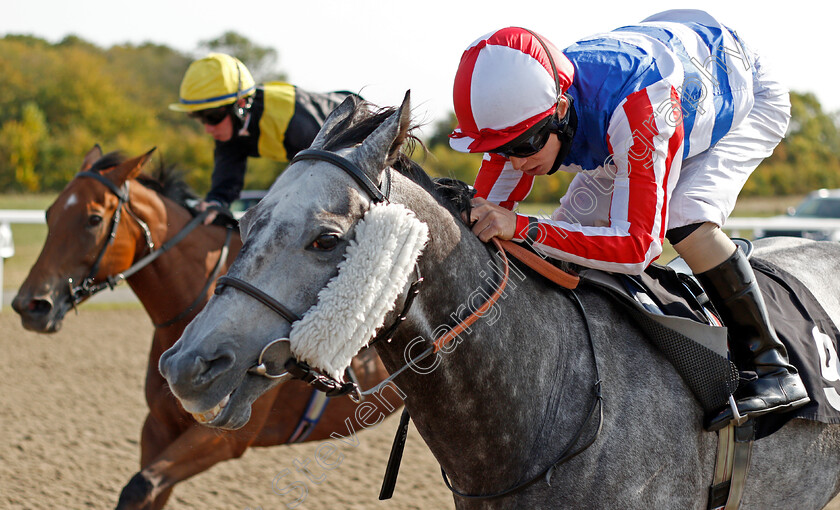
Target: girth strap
311, 416
731, 466
394, 459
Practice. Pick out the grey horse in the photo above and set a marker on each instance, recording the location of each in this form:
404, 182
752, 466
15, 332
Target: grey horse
499, 403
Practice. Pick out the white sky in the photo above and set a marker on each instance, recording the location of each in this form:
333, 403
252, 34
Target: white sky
384, 47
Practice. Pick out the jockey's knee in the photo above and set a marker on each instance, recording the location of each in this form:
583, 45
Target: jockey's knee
702, 245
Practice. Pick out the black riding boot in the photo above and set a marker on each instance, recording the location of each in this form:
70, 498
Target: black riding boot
733, 290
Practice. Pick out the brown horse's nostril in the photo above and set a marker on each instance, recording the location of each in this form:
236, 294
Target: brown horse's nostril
39, 306
32, 307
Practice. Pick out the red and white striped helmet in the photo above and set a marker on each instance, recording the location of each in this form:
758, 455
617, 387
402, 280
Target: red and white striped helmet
504, 85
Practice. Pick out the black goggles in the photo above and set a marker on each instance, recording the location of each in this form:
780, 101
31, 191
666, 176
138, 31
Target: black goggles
212, 116
528, 143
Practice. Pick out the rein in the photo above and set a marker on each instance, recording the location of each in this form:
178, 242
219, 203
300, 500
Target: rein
570, 282
333, 387
554, 274
540, 265
88, 288
302, 370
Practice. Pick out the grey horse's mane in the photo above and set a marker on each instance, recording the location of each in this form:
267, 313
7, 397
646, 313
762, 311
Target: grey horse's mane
168, 180
451, 193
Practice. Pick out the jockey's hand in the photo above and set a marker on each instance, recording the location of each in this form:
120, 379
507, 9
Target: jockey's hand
490, 220
203, 205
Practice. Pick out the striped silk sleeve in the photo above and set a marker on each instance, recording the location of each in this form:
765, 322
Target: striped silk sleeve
646, 147
499, 183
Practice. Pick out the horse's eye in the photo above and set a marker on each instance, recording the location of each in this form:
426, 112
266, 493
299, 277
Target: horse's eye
94, 220
325, 242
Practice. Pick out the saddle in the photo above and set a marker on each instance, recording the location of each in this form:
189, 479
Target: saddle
670, 306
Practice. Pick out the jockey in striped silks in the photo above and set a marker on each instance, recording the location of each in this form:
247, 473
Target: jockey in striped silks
662, 122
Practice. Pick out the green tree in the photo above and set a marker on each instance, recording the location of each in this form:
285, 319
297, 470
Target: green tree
807, 158
260, 60
20, 145
114, 97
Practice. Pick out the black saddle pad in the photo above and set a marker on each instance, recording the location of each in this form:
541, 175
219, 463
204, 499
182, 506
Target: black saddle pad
811, 338
667, 309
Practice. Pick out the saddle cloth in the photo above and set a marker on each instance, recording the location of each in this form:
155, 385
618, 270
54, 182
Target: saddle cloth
811, 338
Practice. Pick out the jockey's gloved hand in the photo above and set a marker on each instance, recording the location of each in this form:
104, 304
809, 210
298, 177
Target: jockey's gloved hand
214, 207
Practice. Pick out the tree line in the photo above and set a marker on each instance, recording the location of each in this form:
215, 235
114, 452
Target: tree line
58, 100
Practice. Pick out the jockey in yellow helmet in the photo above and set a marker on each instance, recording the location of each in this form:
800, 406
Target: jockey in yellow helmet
274, 120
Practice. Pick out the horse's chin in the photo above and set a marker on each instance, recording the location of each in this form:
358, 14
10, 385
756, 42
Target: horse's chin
47, 321
42, 324
234, 410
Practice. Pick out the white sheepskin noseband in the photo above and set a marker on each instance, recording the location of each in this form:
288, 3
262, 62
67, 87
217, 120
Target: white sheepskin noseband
353, 305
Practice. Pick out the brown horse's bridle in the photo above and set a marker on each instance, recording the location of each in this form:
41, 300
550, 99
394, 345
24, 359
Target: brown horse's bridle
88, 287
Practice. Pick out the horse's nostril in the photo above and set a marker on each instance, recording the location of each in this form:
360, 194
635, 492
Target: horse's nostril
164, 362
32, 307
207, 370
39, 306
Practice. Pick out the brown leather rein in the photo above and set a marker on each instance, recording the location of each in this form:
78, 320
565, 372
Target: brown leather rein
540, 265
328, 384
530, 259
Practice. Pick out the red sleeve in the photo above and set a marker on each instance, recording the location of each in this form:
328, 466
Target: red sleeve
647, 155
499, 183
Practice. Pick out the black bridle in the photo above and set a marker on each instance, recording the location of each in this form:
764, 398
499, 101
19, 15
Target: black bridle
332, 387
88, 287
299, 369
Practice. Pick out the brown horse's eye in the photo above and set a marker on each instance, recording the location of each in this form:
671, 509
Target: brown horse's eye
325, 242
94, 220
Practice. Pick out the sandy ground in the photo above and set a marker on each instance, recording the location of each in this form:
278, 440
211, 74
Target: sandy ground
72, 410
70, 426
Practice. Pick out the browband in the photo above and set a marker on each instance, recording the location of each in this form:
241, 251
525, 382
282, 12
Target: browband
351, 168
107, 182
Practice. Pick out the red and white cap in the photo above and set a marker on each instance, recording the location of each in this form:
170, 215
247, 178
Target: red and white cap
504, 85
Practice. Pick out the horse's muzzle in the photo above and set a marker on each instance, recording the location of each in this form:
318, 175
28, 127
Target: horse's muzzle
37, 313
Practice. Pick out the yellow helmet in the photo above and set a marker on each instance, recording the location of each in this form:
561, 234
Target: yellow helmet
212, 81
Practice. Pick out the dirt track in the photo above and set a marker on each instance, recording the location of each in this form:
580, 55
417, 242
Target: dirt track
72, 410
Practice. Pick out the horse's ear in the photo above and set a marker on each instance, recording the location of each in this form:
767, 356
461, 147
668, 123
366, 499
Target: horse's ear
341, 112
380, 149
91, 157
129, 169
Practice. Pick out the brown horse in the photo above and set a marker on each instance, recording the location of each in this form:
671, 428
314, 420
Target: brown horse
87, 243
